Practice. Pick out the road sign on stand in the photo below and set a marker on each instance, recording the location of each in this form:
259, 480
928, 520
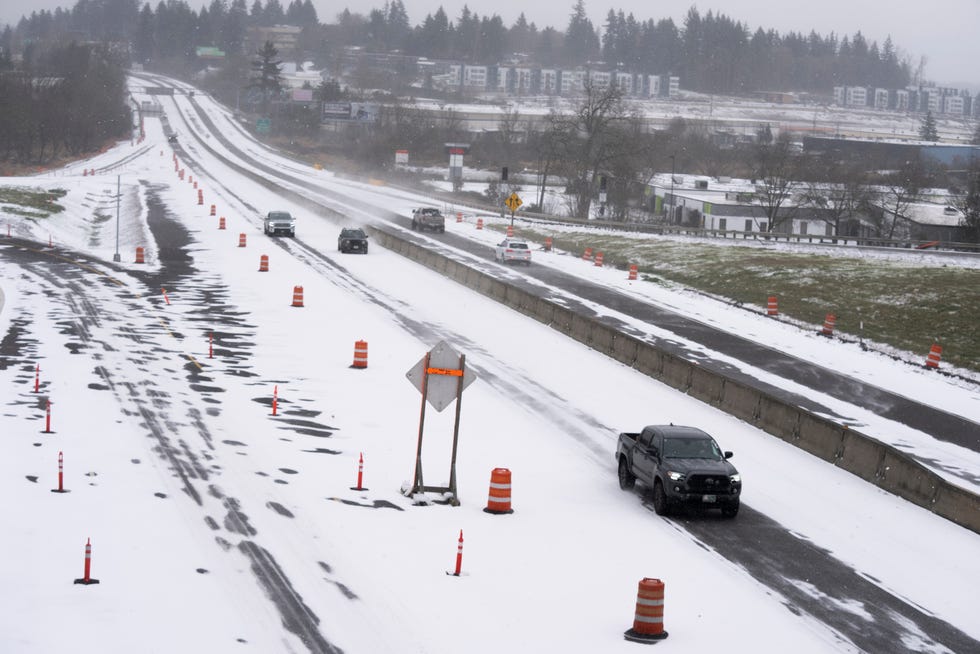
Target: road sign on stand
441, 375
513, 202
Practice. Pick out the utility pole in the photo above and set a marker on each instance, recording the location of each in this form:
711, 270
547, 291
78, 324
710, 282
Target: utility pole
670, 220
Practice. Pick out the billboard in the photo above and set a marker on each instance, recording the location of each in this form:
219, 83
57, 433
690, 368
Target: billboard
363, 112
302, 95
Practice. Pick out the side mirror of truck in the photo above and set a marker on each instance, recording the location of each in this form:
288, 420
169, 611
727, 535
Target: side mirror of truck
653, 451
728, 454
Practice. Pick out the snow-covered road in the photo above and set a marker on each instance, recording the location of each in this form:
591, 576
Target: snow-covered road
219, 527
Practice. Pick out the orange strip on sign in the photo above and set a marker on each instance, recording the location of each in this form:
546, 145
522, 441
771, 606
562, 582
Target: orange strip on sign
444, 371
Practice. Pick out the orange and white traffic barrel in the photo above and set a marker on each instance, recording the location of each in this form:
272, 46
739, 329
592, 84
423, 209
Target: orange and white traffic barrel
935, 354
479, 223
221, 222
633, 272
510, 231
264, 263
297, 296
360, 354
648, 620
828, 325
772, 306
139, 255
499, 499
547, 244
587, 255
598, 259
241, 240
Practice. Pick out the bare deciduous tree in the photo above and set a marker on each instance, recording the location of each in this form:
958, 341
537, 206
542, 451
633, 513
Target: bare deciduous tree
777, 166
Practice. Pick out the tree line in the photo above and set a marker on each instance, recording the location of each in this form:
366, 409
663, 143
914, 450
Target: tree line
69, 100
711, 52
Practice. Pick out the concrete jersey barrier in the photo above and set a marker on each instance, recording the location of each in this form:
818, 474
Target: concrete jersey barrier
874, 461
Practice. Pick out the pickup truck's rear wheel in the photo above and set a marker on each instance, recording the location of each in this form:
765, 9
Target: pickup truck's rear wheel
626, 478
660, 504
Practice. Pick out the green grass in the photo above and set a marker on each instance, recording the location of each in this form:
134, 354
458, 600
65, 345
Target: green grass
31, 202
900, 304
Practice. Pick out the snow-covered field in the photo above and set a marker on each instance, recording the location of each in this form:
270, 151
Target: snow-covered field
184, 559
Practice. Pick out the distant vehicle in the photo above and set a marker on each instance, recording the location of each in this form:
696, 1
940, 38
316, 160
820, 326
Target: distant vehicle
513, 250
428, 218
279, 222
352, 239
683, 466
172, 138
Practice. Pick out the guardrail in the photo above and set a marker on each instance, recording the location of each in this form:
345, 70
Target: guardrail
871, 460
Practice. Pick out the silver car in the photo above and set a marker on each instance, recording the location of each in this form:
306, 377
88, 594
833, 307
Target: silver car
512, 249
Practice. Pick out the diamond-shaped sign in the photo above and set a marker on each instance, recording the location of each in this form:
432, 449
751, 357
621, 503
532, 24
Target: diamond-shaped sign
443, 375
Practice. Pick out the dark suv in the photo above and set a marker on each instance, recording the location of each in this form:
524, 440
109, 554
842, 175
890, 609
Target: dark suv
352, 239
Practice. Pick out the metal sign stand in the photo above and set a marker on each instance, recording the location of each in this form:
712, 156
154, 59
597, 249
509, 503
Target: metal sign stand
462, 379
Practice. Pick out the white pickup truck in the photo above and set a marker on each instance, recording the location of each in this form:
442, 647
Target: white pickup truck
279, 222
428, 218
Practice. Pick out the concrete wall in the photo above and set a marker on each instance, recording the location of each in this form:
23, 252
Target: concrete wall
873, 461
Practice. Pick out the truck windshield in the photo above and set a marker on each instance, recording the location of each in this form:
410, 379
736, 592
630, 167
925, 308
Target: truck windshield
691, 448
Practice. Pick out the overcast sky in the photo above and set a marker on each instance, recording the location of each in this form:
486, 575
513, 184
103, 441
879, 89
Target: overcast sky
945, 32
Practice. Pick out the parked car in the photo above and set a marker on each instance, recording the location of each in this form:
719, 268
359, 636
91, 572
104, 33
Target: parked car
428, 218
352, 239
513, 249
279, 222
682, 465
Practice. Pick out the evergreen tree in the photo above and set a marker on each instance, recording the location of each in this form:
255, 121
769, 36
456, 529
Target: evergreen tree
581, 40
267, 74
233, 29
927, 129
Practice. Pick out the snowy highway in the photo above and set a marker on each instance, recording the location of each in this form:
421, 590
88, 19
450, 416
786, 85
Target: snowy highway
219, 527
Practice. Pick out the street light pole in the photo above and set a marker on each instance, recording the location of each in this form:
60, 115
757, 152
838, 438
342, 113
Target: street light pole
670, 220
116, 256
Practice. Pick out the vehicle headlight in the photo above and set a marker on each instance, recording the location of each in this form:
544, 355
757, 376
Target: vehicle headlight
736, 478
676, 476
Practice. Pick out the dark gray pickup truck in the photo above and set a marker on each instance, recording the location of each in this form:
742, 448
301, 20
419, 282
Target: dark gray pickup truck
682, 465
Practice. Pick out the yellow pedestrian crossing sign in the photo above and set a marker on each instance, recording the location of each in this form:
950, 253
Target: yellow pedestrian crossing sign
513, 202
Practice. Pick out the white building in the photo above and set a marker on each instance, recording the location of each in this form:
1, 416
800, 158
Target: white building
902, 100
653, 83
503, 79
881, 98
624, 81
953, 105
475, 77
572, 81
600, 79
549, 80
522, 80
855, 96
